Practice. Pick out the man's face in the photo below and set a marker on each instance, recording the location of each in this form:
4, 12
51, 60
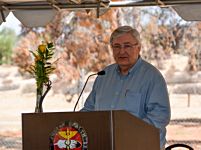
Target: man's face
125, 50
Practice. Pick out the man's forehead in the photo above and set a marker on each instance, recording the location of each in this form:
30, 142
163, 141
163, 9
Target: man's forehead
125, 38
125, 35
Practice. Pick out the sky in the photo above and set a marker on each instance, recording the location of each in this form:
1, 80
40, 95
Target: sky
11, 22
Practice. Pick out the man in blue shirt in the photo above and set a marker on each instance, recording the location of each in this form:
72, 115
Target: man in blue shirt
131, 84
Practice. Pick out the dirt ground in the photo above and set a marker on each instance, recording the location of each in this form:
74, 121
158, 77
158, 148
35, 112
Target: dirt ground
185, 126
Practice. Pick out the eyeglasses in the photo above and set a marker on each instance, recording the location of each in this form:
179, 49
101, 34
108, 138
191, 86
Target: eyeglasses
127, 47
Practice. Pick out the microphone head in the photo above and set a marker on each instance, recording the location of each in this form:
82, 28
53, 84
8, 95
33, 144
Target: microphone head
101, 72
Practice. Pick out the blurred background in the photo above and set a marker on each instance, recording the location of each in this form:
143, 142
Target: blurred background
82, 46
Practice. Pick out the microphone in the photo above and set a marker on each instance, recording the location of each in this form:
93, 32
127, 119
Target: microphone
99, 73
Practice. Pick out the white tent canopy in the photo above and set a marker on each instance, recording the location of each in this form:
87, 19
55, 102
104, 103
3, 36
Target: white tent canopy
34, 13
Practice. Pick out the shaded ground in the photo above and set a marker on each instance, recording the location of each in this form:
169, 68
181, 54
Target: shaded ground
186, 131
10, 140
185, 125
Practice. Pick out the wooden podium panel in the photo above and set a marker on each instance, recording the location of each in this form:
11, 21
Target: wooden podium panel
106, 130
131, 133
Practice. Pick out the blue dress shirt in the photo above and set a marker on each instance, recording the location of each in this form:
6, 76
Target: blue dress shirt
142, 92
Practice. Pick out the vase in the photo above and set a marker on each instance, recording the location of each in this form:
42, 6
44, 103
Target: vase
39, 100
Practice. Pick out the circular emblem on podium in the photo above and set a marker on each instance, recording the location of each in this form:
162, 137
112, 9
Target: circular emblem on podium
69, 136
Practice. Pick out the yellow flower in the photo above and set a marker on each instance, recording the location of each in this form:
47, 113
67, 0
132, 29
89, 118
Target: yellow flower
42, 48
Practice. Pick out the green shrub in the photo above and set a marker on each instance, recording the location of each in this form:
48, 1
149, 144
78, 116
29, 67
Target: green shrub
7, 41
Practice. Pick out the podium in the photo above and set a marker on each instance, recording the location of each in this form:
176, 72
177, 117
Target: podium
106, 130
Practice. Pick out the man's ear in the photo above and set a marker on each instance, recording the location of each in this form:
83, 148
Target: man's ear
139, 47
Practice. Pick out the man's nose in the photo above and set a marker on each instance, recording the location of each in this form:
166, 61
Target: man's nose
122, 50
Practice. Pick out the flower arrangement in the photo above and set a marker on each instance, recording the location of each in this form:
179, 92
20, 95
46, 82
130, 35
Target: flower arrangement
41, 69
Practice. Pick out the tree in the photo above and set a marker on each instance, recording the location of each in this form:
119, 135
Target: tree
163, 33
7, 42
82, 40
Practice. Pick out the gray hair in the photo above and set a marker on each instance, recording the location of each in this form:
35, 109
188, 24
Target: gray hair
125, 29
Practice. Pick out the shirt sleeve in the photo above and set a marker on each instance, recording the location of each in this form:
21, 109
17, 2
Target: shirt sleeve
158, 106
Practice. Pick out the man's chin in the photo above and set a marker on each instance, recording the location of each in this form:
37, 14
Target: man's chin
122, 63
